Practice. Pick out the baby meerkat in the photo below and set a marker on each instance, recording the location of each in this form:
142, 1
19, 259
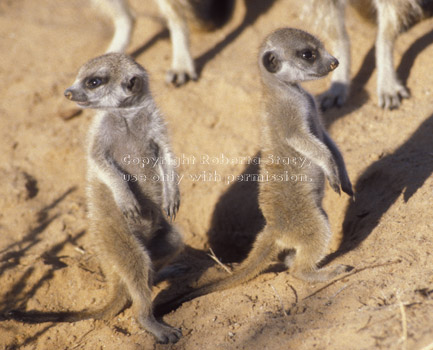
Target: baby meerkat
126, 217
297, 228
126, 200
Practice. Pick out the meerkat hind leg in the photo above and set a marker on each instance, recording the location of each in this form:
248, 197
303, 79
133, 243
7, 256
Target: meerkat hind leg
330, 15
135, 271
310, 250
130, 260
163, 248
119, 299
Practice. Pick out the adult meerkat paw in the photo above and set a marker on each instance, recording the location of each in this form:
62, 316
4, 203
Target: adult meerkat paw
336, 96
390, 96
179, 77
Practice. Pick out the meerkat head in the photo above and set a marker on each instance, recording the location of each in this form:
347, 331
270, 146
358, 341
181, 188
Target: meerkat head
113, 80
292, 55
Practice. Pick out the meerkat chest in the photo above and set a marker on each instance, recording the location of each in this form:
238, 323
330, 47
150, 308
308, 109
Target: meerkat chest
128, 144
127, 135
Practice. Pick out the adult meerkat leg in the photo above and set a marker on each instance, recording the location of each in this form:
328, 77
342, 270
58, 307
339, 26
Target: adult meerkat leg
390, 20
120, 14
336, 29
182, 67
329, 16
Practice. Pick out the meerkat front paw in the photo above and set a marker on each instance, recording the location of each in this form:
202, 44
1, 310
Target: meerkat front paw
130, 209
333, 178
390, 95
172, 205
346, 185
336, 96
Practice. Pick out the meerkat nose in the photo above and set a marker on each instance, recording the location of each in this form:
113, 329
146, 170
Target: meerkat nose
334, 64
68, 94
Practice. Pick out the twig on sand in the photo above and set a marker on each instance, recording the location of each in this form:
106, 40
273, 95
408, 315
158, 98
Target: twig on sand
283, 310
355, 271
403, 322
214, 258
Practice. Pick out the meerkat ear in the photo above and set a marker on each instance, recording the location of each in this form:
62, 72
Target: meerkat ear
271, 61
134, 84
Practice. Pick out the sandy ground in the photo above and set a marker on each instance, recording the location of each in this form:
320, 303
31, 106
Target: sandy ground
46, 254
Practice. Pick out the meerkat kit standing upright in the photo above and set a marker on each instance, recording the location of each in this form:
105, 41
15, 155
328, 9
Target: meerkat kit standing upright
297, 228
126, 217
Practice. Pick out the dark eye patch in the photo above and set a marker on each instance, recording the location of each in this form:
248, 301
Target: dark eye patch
94, 82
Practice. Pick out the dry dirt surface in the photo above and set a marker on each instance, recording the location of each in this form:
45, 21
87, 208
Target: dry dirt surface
47, 258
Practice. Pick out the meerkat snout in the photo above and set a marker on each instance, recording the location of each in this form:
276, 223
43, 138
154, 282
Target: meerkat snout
76, 95
68, 94
334, 64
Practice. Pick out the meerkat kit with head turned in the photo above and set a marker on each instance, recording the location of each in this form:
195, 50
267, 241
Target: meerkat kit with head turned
126, 200
297, 228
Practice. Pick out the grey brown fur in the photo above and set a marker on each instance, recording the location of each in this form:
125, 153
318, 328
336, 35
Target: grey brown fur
296, 224
133, 236
126, 200
392, 17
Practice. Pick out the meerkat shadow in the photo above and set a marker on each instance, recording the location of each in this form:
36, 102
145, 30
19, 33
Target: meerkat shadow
254, 9
402, 172
161, 35
410, 55
236, 221
237, 218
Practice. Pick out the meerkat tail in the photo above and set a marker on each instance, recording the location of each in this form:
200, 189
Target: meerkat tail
118, 301
258, 260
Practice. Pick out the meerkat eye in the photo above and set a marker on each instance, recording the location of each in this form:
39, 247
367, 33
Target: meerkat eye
308, 55
94, 82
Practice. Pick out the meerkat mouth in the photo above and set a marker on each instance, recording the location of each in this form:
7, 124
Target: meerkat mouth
83, 103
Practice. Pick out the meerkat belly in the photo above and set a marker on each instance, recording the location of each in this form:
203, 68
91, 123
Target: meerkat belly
289, 186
